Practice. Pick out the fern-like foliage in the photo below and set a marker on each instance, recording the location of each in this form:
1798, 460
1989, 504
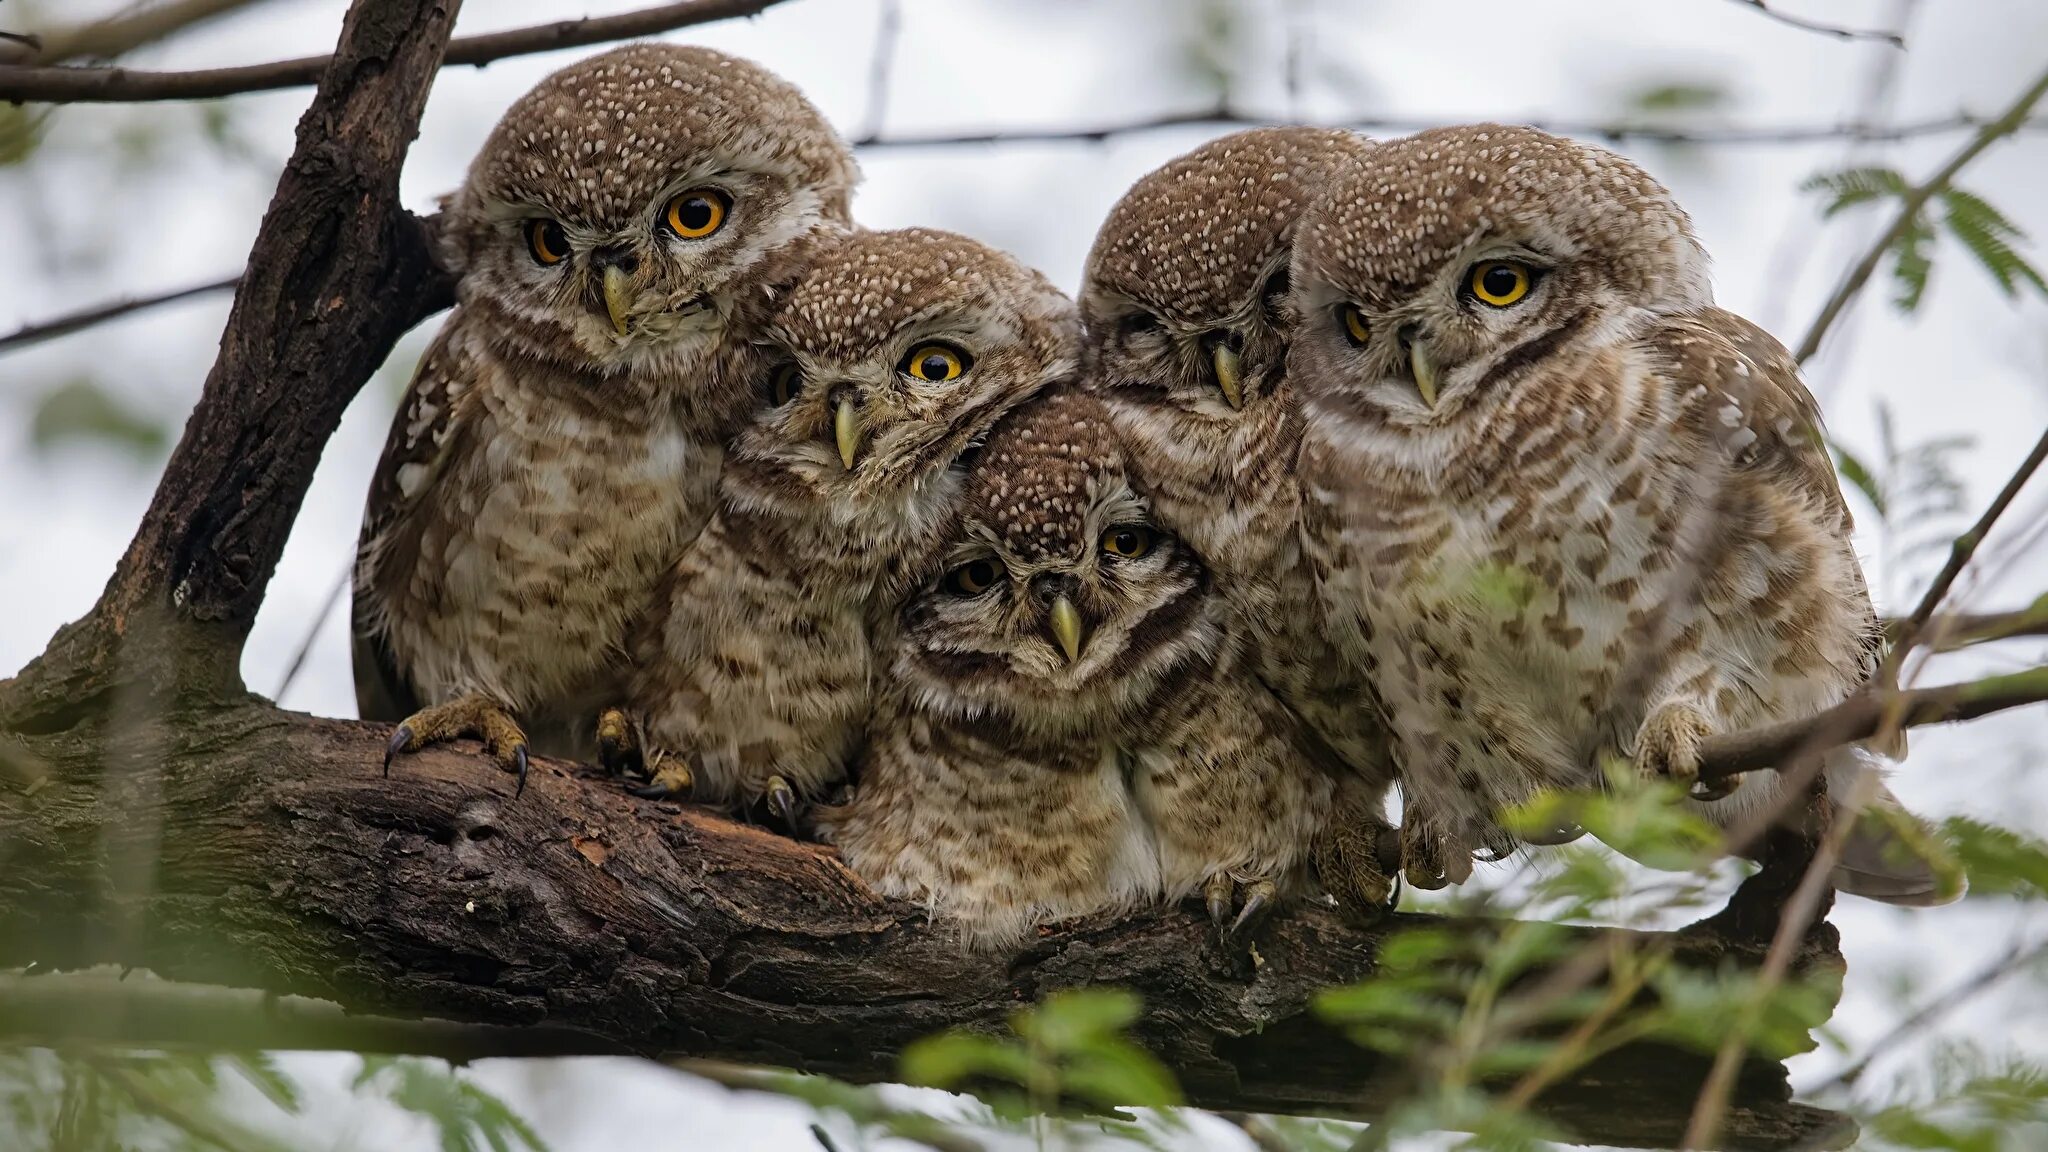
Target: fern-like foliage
1983, 231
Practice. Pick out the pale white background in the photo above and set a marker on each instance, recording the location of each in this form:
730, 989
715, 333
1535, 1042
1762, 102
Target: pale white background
134, 199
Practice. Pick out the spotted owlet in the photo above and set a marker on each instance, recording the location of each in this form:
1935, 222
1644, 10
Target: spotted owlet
1560, 505
620, 235
893, 354
1065, 727
1185, 297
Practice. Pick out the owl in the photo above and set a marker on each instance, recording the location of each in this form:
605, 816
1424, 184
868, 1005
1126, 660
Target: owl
1560, 506
621, 234
1185, 298
891, 356
1066, 724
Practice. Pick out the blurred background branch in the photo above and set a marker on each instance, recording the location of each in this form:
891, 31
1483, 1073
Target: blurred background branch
119, 34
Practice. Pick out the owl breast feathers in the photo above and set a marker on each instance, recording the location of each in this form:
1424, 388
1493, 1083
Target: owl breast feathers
888, 358
1560, 506
1069, 724
617, 239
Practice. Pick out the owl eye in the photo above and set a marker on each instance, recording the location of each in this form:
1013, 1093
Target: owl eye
1499, 282
1129, 541
1136, 322
698, 213
785, 384
546, 240
1357, 328
974, 577
935, 362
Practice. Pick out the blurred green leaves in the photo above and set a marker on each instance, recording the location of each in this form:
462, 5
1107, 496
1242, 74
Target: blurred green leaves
467, 1117
1071, 1048
84, 411
1982, 230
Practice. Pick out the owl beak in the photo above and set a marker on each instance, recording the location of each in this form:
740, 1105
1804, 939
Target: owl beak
1424, 367
846, 430
618, 295
1229, 375
1066, 627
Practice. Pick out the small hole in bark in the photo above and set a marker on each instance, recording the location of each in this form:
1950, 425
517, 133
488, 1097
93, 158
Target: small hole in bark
482, 832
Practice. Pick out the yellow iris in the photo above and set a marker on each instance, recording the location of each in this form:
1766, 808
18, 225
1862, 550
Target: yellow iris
1500, 282
547, 241
973, 578
937, 363
1356, 326
1129, 541
696, 214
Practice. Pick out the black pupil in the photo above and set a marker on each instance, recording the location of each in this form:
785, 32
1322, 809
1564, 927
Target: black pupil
695, 213
551, 239
1127, 541
935, 367
977, 576
785, 386
1500, 280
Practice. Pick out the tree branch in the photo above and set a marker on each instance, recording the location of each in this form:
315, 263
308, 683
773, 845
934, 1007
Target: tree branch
119, 34
1891, 38
123, 85
1964, 548
2009, 122
79, 321
285, 862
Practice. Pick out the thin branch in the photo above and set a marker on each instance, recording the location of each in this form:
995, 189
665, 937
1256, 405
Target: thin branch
122, 33
1798, 916
1966, 545
291, 672
123, 85
1865, 715
1839, 33
1987, 977
2011, 121
1952, 631
882, 66
100, 314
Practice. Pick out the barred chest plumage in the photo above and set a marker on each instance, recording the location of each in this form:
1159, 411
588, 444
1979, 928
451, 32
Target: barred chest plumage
1527, 583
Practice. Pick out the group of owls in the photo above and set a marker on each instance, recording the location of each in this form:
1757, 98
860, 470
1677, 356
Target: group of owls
1428, 463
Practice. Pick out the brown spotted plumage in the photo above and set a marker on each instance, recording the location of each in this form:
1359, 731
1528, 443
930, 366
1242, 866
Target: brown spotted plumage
1067, 726
618, 239
1560, 506
1185, 298
893, 355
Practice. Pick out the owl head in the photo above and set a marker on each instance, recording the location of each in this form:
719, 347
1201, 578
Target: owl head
1439, 269
1185, 291
1062, 607
888, 358
624, 209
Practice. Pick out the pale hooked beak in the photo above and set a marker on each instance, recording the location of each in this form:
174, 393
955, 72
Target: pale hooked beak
1066, 627
1424, 367
618, 296
1228, 374
846, 430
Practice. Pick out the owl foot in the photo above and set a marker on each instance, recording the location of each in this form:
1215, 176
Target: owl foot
1347, 862
1668, 746
672, 779
618, 745
472, 715
781, 800
1430, 859
1221, 893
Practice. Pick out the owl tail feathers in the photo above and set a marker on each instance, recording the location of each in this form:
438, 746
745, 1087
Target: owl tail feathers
1891, 856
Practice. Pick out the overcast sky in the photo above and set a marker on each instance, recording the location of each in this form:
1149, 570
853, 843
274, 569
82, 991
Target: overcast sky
138, 199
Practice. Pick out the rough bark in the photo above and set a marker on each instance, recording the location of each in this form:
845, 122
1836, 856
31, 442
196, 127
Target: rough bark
278, 858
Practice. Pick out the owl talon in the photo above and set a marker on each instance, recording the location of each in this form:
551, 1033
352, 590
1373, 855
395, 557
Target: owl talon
474, 715
618, 746
1668, 743
672, 780
1219, 892
1260, 898
1347, 863
782, 800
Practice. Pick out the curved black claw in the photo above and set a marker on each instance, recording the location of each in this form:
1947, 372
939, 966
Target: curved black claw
1258, 904
782, 800
519, 758
653, 792
1219, 907
400, 741
1711, 790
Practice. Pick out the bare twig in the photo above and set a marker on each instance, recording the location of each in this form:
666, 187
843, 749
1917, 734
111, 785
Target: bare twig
882, 67
1959, 553
2011, 121
1951, 631
122, 33
1879, 34
1793, 922
291, 672
2016, 958
122, 85
100, 314
33, 41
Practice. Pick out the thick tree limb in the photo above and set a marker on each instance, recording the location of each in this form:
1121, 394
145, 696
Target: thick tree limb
124, 85
285, 863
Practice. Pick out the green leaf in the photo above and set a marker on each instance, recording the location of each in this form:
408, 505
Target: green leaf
259, 1069
1075, 1019
1912, 263
1120, 1075
1682, 96
950, 1059
82, 410
1998, 861
1991, 238
1861, 478
1852, 186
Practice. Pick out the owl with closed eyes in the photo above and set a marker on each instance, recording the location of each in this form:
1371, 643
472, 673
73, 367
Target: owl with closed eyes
1185, 299
1065, 726
1561, 507
618, 241
889, 358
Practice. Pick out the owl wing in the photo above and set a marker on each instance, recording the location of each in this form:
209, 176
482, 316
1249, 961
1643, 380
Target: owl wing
425, 435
